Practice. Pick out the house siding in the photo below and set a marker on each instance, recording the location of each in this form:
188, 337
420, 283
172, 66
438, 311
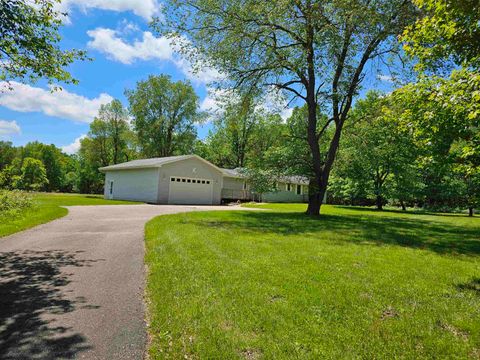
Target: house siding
135, 184
193, 168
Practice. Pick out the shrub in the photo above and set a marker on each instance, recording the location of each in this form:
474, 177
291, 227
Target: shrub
12, 203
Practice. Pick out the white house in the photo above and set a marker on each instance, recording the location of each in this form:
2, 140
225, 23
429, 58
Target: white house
189, 179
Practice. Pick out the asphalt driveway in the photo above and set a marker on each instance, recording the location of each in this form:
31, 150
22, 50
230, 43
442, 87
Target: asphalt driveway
73, 288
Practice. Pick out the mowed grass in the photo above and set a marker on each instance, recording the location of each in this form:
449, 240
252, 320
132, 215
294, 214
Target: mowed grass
277, 284
47, 207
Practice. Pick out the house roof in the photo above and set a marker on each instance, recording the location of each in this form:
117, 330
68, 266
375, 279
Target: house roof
154, 163
158, 162
237, 173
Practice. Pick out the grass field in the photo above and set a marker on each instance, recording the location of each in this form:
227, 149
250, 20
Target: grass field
47, 207
275, 284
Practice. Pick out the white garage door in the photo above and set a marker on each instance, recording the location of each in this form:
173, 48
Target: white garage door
190, 191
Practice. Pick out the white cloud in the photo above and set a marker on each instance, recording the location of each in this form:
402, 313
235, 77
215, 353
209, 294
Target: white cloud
74, 146
146, 9
9, 128
61, 104
149, 47
386, 78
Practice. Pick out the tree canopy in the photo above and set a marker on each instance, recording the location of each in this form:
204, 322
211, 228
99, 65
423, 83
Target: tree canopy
164, 114
448, 32
29, 42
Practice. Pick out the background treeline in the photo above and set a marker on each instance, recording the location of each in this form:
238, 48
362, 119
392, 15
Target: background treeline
418, 146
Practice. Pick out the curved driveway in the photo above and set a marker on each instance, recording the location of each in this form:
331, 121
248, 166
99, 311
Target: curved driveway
73, 288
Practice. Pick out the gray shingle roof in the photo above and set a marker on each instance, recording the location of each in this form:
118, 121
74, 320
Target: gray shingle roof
236, 173
157, 162
146, 163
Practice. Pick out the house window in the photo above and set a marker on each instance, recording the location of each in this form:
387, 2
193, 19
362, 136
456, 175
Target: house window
244, 185
111, 187
289, 188
299, 189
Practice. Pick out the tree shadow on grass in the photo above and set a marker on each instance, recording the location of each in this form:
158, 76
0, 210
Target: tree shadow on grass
410, 211
31, 296
442, 238
473, 285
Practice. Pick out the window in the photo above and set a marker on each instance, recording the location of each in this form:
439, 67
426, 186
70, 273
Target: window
111, 187
244, 185
194, 181
172, 179
208, 182
299, 189
203, 181
289, 188
183, 180
188, 180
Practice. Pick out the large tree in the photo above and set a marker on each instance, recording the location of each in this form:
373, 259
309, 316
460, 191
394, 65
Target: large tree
164, 113
29, 42
317, 51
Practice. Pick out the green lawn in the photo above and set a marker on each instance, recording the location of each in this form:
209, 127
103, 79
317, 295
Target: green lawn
354, 283
47, 207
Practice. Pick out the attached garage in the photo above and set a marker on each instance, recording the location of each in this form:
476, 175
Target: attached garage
187, 190
186, 179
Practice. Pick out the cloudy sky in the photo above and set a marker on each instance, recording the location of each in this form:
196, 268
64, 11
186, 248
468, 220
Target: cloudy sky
116, 35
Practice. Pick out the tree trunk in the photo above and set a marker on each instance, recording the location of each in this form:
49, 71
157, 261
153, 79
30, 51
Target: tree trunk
379, 202
314, 199
404, 207
470, 211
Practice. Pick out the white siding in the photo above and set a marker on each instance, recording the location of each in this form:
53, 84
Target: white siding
189, 168
134, 184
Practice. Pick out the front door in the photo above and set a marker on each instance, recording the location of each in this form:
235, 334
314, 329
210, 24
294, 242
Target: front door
110, 190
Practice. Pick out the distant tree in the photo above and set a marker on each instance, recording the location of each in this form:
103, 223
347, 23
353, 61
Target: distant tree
52, 158
375, 152
241, 133
316, 51
444, 117
164, 114
33, 175
448, 32
7, 153
29, 42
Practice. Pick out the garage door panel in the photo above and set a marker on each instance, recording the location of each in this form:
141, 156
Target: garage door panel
190, 191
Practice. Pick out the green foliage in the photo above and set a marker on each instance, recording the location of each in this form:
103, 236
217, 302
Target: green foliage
164, 114
109, 141
242, 133
7, 154
12, 203
448, 31
33, 175
444, 115
29, 42
376, 154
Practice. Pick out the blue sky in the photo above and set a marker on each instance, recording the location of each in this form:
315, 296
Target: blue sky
116, 35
